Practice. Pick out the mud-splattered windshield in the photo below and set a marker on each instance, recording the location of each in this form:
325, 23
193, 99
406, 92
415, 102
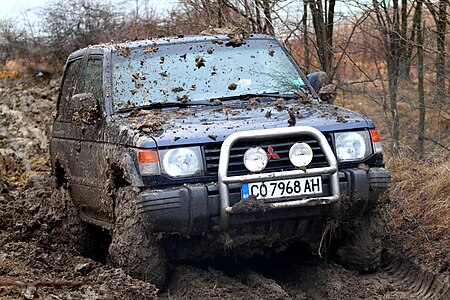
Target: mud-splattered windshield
200, 71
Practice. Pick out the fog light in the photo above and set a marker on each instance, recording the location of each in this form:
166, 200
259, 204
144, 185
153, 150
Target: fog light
300, 154
255, 159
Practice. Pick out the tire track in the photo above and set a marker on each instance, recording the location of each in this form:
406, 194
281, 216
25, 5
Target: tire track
414, 280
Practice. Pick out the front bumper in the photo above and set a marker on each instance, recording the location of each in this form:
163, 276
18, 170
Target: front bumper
196, 208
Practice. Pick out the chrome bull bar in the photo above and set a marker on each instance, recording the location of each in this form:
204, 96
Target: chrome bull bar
224, 180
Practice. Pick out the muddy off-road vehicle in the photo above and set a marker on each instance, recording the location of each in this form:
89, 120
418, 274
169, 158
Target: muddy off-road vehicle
209, 146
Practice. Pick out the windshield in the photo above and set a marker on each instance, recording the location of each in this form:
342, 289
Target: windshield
200, 71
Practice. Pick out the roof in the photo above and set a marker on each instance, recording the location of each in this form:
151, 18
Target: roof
163, 41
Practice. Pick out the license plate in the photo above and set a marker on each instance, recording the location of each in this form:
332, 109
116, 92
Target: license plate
282, 188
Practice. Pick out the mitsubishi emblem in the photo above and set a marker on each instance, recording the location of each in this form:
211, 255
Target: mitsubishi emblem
272, 154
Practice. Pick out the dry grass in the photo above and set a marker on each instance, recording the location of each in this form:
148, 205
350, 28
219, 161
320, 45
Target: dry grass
419, 211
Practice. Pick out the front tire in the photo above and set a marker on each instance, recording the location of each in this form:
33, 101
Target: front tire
134, 249
361, 244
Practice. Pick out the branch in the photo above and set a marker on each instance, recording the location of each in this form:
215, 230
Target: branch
436, 142
358, 22
356, 65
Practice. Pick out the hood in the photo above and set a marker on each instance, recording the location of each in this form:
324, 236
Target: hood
207, 124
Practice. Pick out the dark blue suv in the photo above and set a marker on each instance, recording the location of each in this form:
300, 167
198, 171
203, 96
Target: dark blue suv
193, 147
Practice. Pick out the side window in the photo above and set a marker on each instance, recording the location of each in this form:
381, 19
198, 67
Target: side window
70, 85
93, 78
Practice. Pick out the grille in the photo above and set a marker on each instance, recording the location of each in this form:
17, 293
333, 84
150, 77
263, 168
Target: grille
280, 146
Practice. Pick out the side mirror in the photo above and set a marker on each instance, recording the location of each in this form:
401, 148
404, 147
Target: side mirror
318, 80
85, 109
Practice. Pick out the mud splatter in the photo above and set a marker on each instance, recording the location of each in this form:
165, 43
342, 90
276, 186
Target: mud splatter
199, 61
251, 205
151, 123
341, 119
183, 99
217, 102
292, 118
279, 104
177, 89
328, 93
152, 48
164, 74
232, 86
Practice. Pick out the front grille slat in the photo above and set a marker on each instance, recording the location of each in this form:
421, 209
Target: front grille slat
280, 146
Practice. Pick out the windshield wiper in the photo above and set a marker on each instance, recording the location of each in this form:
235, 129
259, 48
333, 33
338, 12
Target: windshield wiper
268, 95
166, 105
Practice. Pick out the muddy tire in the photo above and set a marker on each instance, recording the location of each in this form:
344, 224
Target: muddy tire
133, 249
361, 243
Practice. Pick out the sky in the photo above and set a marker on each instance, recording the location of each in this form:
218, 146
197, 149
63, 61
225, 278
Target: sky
20, 8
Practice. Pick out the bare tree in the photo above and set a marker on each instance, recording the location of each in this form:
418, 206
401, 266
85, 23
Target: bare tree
72, 24
440, 17
323, 22
305, 35
257, 12
388, 25
14, 41
420, 70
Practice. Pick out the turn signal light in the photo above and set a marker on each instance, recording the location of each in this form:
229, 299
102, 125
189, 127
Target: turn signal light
148, 156
374, 135
376, 141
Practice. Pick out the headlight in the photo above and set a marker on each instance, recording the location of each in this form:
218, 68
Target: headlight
180, 162
255, 159
300, 154
352, 145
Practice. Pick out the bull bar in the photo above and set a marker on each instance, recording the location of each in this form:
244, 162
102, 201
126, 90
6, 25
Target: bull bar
224, 180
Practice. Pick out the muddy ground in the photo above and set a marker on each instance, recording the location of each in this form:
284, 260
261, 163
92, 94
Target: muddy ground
38, 262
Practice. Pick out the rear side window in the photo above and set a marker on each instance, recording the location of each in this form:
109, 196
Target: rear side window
93, 78
69, 87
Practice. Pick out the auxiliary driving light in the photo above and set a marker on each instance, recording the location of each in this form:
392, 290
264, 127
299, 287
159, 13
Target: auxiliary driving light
300, 154
255, 159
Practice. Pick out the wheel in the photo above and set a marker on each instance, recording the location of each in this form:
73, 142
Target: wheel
361, 244
133, 249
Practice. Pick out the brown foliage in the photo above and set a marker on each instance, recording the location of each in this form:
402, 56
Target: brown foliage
419, 215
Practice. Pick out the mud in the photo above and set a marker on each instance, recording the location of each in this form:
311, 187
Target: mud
236, 35
153, 121
328, 93
190, 282
250, 205
39, 260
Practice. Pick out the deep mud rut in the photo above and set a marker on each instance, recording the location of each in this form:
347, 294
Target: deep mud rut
38, 262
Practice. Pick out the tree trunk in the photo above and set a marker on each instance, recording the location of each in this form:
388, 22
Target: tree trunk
268, 18
305, 36
323, 28
258, 16
220, 13
405, 54
388, 25
249, 12
393, 78
393, 60
420, 28
441, 92
329, 32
